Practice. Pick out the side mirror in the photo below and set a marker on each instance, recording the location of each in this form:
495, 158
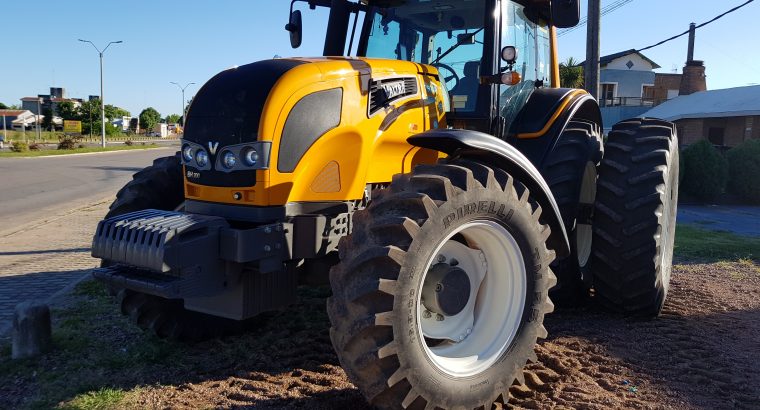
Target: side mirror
295, 28
509, 54
565, 13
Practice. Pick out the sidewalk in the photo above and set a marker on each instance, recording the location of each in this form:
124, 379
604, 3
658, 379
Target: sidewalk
741, 220
42, 259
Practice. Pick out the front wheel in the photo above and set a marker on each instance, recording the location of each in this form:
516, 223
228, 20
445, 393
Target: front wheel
442, 288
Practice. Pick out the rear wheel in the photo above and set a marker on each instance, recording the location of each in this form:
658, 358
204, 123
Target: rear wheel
442, 288
635, 217
159, 186
571, 172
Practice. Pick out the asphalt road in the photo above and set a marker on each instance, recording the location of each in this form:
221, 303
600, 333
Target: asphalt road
33, 188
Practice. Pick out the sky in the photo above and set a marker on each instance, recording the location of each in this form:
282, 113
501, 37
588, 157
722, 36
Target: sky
192, 40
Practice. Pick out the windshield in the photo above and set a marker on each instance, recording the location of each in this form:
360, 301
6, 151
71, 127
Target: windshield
449, 37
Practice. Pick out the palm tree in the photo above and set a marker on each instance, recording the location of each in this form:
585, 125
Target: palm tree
571, 74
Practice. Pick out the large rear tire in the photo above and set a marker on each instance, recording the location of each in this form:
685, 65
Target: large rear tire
442, 288
159, 186
635, 217
571, 172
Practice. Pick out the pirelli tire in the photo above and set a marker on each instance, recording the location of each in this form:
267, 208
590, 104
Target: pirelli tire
571, 172
442, 217
159, 186
635, 217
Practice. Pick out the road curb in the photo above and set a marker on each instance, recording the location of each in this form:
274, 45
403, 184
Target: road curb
90, 153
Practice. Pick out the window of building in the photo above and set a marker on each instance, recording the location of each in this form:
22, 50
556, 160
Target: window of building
608, 94
716, 135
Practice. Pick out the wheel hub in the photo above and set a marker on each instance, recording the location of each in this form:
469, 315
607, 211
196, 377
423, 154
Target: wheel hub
446, 290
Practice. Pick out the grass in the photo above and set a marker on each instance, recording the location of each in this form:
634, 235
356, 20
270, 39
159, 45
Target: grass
101, 360
105, 398
52, 137
696, 243
44, 152
86, 351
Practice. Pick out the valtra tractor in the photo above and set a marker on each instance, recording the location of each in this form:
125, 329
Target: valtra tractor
441, 175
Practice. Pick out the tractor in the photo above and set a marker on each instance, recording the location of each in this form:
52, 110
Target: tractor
429, 167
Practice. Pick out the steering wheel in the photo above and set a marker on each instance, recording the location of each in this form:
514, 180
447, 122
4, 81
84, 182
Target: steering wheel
451, 77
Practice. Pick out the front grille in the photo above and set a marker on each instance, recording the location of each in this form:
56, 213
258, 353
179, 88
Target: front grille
387, 90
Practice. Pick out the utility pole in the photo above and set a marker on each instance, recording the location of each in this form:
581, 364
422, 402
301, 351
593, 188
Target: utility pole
593, 32
37, 120
184, 113
5, 132
102, 97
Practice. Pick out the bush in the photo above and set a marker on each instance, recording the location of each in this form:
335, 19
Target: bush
19, 146
706, 171
35, 147
68, 141
744, 170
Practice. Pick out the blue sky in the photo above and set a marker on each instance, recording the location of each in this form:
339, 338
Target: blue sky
190, 41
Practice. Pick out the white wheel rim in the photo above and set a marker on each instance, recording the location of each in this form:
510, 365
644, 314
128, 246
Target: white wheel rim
667, 233
583, 232
483, 331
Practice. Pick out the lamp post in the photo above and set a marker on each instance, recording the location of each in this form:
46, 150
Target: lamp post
102, 97
183, 101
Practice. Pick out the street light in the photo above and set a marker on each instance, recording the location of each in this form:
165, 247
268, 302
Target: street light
183, 101
102, 97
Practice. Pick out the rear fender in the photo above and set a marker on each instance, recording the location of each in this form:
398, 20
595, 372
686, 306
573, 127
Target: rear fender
497, 153
540, 124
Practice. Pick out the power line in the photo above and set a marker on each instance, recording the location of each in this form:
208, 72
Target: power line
609, 9
698, 26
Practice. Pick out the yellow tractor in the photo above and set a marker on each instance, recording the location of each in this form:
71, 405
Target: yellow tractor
441, 176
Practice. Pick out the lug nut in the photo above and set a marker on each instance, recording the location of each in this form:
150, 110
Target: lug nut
438, 287
426, 314
267, 248
439, 317
441, 259
267, 229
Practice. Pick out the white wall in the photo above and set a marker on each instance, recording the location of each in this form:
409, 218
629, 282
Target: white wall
639, 64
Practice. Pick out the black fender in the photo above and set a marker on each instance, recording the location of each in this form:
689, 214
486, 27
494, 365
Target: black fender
496, 153
536, 130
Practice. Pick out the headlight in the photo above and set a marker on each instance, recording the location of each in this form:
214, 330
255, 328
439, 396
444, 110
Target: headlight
228, 160
201, 158
187, 153
250, 157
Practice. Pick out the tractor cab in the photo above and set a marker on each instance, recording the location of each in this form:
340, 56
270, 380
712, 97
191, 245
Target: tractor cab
490, 55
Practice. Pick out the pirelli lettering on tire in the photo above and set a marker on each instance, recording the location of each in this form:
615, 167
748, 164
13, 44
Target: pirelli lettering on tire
481, 207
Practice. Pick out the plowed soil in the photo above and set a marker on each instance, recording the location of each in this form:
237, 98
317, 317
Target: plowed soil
702, 353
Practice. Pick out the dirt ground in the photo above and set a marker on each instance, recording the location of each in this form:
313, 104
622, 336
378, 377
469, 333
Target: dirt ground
702, 353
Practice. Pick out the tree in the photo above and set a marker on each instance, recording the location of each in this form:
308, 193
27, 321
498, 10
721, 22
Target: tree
47, 119
571, 74
149, 117
113, 112
68, 111
89, 114
3, 106
173, 118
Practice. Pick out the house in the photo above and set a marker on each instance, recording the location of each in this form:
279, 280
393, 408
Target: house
15, 119
629, 87
38, 104
8, 116
724, 117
